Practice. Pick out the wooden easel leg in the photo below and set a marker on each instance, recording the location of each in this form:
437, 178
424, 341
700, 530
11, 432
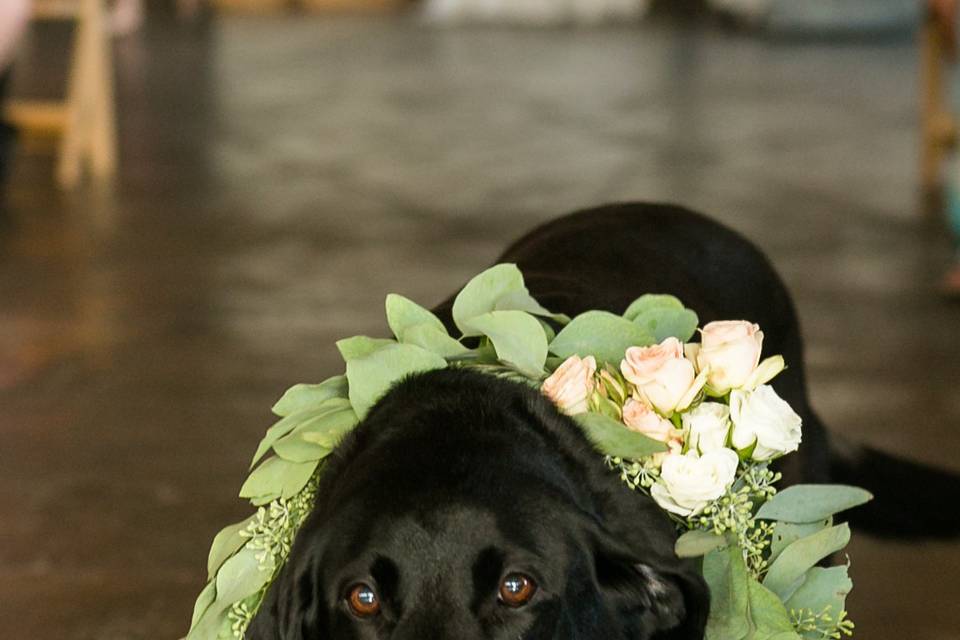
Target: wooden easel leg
70, 166
938, 131
931, 100
89, 135
103, 135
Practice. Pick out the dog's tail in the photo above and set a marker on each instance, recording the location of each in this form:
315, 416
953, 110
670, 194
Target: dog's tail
911, 500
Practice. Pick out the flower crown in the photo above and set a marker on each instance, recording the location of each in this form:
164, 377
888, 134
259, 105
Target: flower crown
693, 425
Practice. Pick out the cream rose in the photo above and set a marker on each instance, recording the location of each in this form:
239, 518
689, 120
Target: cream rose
571, 385
641, 418
729, 352
708, 425
763, 417
689, 482
662, 376
766, 371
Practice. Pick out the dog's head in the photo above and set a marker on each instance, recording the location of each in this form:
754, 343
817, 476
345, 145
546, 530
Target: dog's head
466, 507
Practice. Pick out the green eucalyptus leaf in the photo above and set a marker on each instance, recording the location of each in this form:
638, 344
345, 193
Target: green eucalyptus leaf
484, 353
499, 288
547, 330
225, 544
297, 478
260, 501
650, 301
812, 502
403, 313
204, 600
240, 576
294, 448
612, 438
726, 575
698, 542
740, 607
361, 346
330, 432
662, 323
786, 533
822, 588
316, 438
432, 339
523, 301
372, 375
207, 626
554, 362
785, 572
226, 630
601, 334
517, 337
276, 476
481, 294
768, 617
301, 397
292, 421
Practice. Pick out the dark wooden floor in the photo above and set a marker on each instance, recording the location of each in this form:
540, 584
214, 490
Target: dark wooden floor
281, 175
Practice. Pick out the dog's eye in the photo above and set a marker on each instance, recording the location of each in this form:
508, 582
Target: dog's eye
517, 589
363, 601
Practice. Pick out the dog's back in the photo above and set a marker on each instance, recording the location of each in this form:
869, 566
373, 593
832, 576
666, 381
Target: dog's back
604, 257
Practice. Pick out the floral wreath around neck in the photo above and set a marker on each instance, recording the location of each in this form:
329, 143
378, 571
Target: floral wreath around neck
693, 425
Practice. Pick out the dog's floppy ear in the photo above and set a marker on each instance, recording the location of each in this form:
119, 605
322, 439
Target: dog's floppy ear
655, 594
293, 606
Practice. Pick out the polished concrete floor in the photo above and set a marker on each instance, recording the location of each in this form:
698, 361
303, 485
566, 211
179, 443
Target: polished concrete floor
280, 175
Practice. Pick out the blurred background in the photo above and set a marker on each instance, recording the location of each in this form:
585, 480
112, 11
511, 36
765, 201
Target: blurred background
199, 197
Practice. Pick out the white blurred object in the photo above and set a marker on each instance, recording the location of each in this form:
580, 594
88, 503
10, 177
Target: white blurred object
127, 17
14, 15
535, 12
824, 16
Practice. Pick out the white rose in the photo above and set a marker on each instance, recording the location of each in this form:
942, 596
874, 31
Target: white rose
688, 482
662, 375
571, 384
763, 417
729, 353
708, 426
674, 447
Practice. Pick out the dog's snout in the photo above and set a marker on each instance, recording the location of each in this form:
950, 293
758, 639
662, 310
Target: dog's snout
439, 623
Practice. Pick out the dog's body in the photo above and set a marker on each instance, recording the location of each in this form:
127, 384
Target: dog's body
457, 479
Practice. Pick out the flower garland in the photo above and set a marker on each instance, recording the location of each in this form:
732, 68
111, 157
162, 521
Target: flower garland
693, 425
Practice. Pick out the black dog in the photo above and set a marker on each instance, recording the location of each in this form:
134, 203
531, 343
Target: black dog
467, 507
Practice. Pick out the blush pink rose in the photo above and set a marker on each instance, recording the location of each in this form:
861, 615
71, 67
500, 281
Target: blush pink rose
729, 353
641, 418
662, 375
571, 385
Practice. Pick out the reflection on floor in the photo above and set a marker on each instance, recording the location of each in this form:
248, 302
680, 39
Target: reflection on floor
280, 175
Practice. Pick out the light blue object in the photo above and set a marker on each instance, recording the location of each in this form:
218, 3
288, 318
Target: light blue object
953, 206
851, 16
952, 178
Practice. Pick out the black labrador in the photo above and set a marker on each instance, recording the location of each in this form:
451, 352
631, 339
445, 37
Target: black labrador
467, 507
